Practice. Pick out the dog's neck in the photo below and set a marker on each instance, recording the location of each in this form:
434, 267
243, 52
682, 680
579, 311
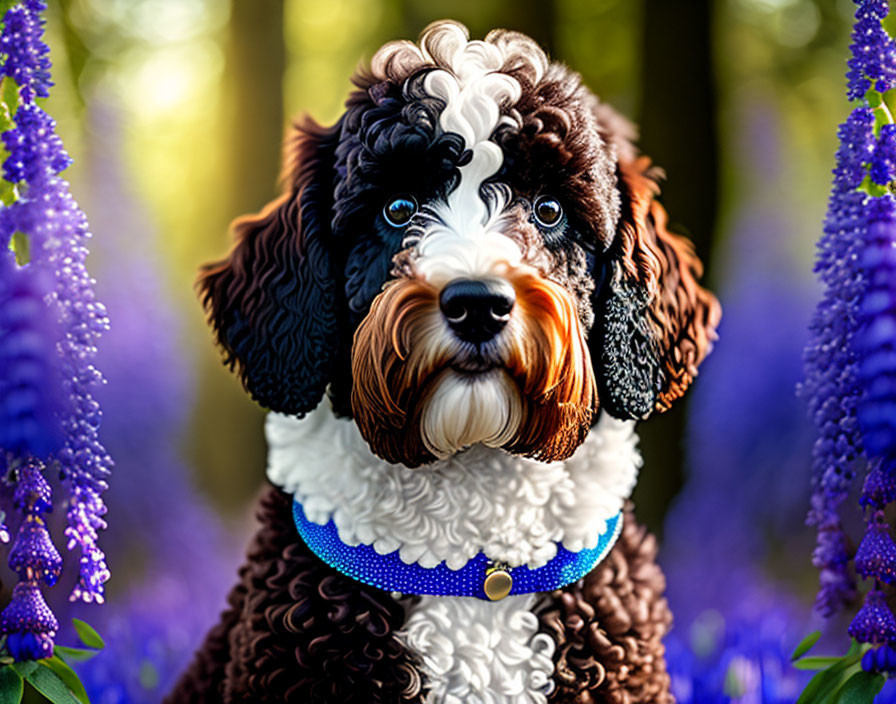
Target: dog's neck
513, 509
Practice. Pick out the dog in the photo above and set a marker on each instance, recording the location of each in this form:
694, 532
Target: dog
457, 310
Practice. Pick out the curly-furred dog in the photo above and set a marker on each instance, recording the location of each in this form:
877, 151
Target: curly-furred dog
471, 265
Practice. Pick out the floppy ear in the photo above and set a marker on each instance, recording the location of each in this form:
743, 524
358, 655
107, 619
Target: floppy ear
655, 323
272, 300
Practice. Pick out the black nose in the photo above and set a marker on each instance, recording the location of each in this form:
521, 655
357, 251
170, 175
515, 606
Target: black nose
477, 310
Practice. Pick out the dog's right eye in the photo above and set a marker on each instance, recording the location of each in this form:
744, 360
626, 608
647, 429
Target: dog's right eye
398, 211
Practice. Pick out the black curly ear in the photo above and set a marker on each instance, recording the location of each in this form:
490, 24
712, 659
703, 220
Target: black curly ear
273, 300
655, 323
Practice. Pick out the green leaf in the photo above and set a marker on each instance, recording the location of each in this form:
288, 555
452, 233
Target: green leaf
823, 686
25, 668
861, 688
48, 683
68, 677
805, 645
11, 686
9, 103
88, 636
20, 245
74, 654
818, 662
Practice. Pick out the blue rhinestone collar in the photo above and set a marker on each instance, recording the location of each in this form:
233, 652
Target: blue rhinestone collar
480, 577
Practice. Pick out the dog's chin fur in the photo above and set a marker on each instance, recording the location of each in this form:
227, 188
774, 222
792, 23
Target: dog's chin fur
465, 409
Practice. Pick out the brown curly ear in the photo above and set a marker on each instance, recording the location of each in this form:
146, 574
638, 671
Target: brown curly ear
658, 323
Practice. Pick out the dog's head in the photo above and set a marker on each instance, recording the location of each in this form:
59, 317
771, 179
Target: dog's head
472, 254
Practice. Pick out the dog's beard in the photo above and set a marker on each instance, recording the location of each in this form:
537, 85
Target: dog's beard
465, 409
414, 401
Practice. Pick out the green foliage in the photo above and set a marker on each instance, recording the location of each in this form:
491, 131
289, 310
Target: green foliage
805, 645
67, 676
839, 679
51, 677
20, 245
861, 688
88, 635
12, 687
51, 685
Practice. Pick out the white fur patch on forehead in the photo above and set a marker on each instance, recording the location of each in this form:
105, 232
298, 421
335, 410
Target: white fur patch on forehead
477, 81
437, 47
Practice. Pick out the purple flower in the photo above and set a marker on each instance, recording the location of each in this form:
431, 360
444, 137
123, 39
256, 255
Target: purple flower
831, 389
28, 623
876, 556
883, 163
874, 623
850, 360
875, 340
873, 51
28, 334
28, 61
880, 485
857, 145
882, 659
33, 553
50, 322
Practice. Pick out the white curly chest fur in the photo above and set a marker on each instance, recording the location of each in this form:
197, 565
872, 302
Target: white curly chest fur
480, 500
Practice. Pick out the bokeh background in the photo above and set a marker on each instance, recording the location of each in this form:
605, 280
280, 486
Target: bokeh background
174, 111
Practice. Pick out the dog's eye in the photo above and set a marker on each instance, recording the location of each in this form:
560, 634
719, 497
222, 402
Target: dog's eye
547, 211
398, 211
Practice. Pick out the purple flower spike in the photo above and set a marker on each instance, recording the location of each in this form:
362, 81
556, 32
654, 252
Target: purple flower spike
873, 51
876, 556
883, 164
880, 485
874, 623
57, 232
28, 623
850, 359
875, 341
33, 554
33, 494
28, 357
28, 62
857, 145
837, 585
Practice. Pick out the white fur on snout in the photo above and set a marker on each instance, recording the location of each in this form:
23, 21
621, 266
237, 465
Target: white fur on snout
466, 409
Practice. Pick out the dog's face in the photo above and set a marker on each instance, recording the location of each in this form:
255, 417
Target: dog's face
472, 254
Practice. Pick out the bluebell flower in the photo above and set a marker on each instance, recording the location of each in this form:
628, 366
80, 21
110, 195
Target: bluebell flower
873, 62
850, 361
50, 322
874, 623
883, 162
28, 623
876, 556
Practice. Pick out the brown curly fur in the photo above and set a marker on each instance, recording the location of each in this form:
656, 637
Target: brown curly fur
609, 628
666, 265
298, 631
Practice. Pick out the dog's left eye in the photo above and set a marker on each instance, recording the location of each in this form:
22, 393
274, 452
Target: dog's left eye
398, 211
547, 211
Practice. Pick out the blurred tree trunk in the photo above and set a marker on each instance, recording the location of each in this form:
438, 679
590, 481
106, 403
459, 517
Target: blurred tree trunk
678, 130
228, 448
